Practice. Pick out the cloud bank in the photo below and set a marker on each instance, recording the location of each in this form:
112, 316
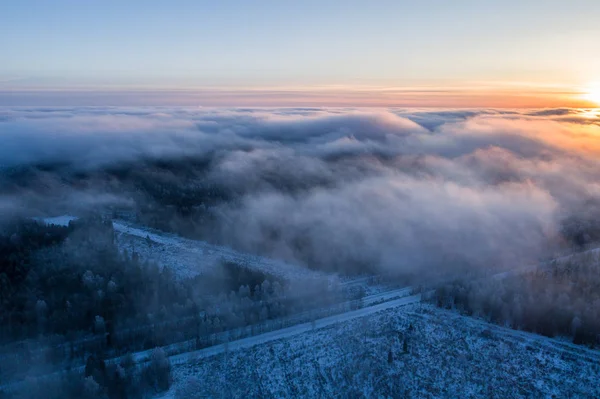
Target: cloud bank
403, 190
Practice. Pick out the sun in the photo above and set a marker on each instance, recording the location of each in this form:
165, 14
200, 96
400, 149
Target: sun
592, 93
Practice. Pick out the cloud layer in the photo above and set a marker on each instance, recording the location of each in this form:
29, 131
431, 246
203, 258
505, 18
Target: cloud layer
388, 189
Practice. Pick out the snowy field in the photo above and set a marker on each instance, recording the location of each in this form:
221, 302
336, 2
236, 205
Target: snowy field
448, 356
57, 220
189, 258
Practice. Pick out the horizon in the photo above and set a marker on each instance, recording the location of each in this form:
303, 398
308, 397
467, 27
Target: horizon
432, 54
281, 98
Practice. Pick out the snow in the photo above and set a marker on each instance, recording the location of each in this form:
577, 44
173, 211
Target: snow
190, 258
448, 356
371, 304
58, 220
297, 329
394, 298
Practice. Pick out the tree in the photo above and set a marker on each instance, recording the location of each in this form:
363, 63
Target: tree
41, 310
99, 325
157, 374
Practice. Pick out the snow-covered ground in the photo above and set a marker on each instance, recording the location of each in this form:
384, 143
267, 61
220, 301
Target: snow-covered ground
57, 220
448, 356
180, 355
189, 258
377, 303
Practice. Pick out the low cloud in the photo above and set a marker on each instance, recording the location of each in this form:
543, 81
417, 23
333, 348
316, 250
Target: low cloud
390, 189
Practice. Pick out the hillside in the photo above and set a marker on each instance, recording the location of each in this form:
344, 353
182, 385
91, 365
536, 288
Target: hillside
446, 356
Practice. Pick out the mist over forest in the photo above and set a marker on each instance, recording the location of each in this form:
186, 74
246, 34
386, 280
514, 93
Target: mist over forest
339, 189
421, 196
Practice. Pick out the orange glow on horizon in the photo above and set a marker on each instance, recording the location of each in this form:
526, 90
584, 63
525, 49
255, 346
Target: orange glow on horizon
593, 94
464, 95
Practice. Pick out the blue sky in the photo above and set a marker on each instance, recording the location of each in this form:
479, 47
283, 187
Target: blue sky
118, 45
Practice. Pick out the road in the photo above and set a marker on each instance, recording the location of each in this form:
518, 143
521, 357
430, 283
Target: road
294, 330
371, 304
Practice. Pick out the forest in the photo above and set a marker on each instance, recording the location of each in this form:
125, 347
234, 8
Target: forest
70, 298
559, 299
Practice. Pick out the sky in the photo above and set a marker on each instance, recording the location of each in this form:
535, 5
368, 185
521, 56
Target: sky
324, 53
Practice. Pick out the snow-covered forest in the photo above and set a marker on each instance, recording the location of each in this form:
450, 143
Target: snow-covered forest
561, 299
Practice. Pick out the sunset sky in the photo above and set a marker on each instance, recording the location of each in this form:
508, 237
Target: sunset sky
281, 53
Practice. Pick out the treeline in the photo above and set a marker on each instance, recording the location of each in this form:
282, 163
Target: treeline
65, 280
560, 299
101, 380
18, 242
77, 280
582, 229
71, 294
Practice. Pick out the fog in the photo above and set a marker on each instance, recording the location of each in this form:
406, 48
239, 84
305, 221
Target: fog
395, 190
